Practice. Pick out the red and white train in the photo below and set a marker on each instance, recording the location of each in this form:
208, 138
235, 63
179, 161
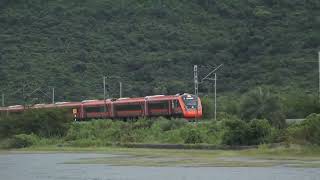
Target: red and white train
181, 105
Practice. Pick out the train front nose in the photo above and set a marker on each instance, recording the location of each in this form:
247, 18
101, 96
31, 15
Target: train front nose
193, 113
192, 106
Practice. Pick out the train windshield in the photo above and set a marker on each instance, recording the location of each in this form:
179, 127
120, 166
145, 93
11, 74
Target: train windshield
190, 101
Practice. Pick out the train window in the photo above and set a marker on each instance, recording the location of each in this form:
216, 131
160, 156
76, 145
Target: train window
190, 101
130, 107
96, 109
159, 105
175, 104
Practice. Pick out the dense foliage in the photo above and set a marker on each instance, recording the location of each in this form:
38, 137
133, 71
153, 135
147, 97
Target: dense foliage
52, 127
153, 44
307, 131
264, 103
44, 123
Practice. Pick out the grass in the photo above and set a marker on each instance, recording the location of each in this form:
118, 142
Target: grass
293, 156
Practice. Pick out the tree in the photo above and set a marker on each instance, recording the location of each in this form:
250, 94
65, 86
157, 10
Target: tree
261, 104
146, 42
298, 104
207, 107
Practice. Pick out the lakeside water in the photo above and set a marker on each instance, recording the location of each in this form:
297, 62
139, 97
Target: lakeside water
51, 166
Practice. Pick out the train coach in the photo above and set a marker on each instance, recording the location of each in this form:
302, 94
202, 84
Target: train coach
186, 106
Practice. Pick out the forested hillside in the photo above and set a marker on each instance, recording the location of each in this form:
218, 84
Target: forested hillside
153, 44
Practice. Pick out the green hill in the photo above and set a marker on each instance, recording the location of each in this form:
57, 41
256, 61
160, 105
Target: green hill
153, 44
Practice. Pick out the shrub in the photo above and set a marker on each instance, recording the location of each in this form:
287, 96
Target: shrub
142, 124
44, 122
47, 122
307, 131
22, 141
192, 136
5, 143
235, 132
7, 126
258, 131
167, 125
311, 128
97, 129
173, 136
215, 131
277, 135
238, 132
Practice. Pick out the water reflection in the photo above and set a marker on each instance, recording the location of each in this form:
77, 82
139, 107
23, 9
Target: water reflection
51, 166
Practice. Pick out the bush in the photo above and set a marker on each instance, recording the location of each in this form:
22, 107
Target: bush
97, 129
7, 126
192, 136
215, 132
173, 136
22, 141
277, 135
238, 132
47, 123
307, 131
235, 132
167, 125
258, 132
142, 123
44, 123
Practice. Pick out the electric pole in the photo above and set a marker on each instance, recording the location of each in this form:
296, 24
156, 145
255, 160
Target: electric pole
104, 87
2, 99
319, 74
195, 69
120, 94
207, 77
215, 96
104, 93
196, 84
24, 98
53, 96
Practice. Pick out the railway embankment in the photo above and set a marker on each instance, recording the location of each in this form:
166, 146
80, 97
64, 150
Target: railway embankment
51, 128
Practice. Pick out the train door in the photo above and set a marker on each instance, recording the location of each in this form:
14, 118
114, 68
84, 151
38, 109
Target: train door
76, 113
176, 108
